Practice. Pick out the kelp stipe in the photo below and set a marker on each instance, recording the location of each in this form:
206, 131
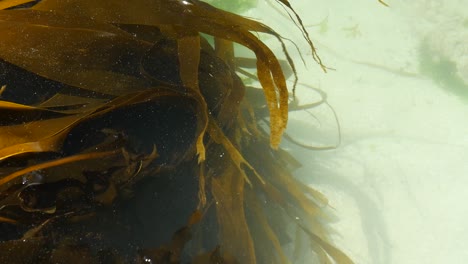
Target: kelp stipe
125, 138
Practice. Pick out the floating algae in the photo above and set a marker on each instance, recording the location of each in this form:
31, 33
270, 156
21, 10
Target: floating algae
125, 138
442, 69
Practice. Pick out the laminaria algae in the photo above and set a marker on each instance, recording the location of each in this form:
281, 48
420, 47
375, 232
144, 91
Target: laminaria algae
125, 137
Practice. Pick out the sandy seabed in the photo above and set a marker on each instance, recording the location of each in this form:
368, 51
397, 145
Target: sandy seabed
397, 183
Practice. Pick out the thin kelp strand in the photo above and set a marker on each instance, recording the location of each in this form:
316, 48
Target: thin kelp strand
298, 50
54, 163
305, 33
337, 121
323, 100
290, 62
7, 220
383, 3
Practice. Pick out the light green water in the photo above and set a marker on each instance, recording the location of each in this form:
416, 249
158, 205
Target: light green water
400, 90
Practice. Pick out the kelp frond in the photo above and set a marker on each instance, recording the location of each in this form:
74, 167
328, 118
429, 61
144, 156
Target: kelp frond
120, 94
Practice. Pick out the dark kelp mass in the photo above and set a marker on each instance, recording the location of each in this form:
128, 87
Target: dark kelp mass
125, 137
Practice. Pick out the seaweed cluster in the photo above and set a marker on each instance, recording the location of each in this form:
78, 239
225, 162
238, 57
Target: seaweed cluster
126, 137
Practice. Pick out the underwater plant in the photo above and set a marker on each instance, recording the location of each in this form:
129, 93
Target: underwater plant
126, 137
443, 70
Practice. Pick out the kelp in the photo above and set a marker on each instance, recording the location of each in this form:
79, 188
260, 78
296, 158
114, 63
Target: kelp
126, 137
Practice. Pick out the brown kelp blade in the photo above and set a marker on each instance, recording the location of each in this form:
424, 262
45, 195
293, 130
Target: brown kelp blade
4, 4
88, 52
